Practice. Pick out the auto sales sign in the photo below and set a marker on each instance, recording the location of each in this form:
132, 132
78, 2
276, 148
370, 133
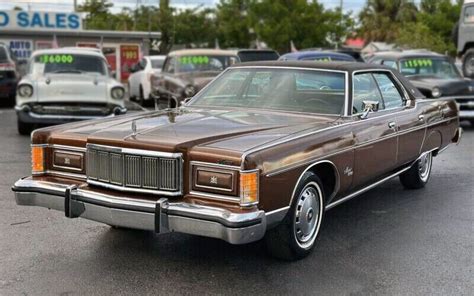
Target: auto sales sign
39, 20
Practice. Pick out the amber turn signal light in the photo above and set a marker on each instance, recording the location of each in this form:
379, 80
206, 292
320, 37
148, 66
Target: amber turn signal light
248, 188
37, 159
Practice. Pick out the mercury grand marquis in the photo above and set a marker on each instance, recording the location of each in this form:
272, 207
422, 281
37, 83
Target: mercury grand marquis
261, 152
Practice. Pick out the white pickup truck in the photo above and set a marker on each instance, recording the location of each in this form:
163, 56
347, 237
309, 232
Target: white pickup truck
64, 85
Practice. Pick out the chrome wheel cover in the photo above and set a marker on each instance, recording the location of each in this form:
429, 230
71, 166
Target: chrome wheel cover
308, 212
424, 166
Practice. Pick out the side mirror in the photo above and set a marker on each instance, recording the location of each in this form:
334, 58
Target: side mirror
369, 106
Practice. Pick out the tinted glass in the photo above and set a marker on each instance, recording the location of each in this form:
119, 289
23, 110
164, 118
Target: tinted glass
200, 63
278, 89
439, 67
365, 89
69, 63
157, 63
390, 94
3, 54
250, 56
469, 14
391, 64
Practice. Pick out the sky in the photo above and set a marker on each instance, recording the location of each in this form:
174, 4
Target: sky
67, 5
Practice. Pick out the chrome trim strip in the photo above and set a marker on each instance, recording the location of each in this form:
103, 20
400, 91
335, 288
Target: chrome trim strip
336, 185
134, 189
276, 216
214, 196
68, 148
140, 152
62, 174
360, 191
216, 165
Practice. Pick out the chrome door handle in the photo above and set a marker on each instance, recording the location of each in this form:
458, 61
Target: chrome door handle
421, 117
391, 124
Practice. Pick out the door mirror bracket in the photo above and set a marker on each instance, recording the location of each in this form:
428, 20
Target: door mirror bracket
369, 106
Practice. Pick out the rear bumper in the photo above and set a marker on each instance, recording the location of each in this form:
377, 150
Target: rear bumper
161, 216
25, 114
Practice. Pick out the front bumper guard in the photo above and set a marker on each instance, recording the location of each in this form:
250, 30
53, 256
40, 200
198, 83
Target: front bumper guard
161, 216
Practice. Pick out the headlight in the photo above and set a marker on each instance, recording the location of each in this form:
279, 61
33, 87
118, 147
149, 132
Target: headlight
37, 159
25, 90
189, 91
117, 93
226, 184
68, 160
436, 92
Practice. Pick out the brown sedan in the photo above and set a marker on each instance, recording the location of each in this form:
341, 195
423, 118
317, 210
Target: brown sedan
263, 151
185, 72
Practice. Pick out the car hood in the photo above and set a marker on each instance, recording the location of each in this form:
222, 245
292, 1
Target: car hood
189, 128
448, 87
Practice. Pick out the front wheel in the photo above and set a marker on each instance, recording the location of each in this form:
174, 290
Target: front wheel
419, 174
295, 237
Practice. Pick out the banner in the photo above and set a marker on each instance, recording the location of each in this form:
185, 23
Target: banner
129, 55
39, 20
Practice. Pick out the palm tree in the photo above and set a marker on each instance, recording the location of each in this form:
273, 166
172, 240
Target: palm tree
381, 19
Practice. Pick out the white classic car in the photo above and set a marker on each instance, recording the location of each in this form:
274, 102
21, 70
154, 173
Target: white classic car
64, 85
139, 82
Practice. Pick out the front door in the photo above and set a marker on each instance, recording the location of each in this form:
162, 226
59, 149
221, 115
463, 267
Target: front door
376, 141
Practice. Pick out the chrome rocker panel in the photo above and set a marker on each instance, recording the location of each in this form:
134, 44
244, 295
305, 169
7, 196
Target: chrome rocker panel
235, 228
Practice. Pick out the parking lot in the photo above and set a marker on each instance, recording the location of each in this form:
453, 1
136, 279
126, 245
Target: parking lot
387, 241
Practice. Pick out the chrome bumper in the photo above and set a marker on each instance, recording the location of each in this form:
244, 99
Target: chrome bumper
466, 114
26, 115
160, 216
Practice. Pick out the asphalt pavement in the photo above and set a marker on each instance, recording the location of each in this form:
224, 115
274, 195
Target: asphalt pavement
388, 241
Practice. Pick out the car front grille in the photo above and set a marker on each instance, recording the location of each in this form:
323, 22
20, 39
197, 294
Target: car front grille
134, 170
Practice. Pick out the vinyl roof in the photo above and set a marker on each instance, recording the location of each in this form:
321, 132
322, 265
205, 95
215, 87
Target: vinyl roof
338, 66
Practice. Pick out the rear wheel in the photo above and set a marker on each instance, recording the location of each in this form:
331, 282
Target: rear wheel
24, 128
295, 237
468, 64
419, 174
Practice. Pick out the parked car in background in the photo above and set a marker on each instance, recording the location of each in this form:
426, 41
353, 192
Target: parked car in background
325, 56
434, 75
185, 72
463, 37
139, 82
64, 85
254, 55
353, 52
9, 75
264, 150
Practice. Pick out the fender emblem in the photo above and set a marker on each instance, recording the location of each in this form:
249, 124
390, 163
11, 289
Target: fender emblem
348, 171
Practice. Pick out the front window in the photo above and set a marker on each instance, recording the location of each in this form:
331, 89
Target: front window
313, 91
438, 67
57, 63
469, 14
201, 63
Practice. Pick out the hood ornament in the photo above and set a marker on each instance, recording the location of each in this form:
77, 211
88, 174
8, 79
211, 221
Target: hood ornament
134, 128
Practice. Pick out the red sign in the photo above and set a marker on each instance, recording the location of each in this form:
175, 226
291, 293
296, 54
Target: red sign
129, 55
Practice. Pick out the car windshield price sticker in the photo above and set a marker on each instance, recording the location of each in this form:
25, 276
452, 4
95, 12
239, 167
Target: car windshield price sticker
194, 60
418, 63
56, 59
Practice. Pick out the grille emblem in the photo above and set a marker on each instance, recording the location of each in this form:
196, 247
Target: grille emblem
67, 160
213, 180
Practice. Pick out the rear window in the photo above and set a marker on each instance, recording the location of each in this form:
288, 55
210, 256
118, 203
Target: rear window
157, 63
253, 56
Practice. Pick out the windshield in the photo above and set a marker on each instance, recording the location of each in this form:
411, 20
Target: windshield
200, 63
313, 91
157, 63
439, 67
69, 63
